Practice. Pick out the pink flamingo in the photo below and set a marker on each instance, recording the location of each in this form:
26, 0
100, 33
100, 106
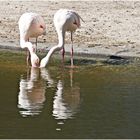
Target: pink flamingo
64, 20
31, 25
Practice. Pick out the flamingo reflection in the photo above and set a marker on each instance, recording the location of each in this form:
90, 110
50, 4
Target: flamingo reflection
32, 92
66, 100
31, 97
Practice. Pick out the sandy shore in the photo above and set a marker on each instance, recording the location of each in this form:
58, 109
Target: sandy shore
109, 28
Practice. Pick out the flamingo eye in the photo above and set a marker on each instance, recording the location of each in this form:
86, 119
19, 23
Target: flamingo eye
41, 26
75, 23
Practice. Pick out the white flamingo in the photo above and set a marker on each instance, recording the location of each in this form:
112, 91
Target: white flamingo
31, 25
64, 20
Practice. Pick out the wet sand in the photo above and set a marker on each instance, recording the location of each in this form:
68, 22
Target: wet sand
110, 28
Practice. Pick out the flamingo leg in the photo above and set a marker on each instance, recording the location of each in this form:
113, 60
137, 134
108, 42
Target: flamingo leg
71, 50
36, 46
63, 54
28, 58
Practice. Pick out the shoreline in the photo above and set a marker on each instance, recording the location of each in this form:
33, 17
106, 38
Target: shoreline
80, 52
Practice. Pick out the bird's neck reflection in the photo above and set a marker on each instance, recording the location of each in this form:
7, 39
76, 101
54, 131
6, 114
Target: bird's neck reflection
66, 100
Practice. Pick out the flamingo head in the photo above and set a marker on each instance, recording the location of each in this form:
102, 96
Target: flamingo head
44, 62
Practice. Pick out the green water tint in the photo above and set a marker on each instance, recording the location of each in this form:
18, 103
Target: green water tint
90, 101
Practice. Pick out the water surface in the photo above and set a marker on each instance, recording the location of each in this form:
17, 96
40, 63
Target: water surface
90, 101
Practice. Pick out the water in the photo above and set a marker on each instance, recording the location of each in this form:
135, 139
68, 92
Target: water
90, 101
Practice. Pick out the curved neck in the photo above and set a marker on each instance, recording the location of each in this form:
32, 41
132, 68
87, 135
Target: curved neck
61, 38
26, 44
61, 42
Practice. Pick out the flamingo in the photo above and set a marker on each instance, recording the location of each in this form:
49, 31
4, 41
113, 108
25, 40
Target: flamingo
31, 25
64, 20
